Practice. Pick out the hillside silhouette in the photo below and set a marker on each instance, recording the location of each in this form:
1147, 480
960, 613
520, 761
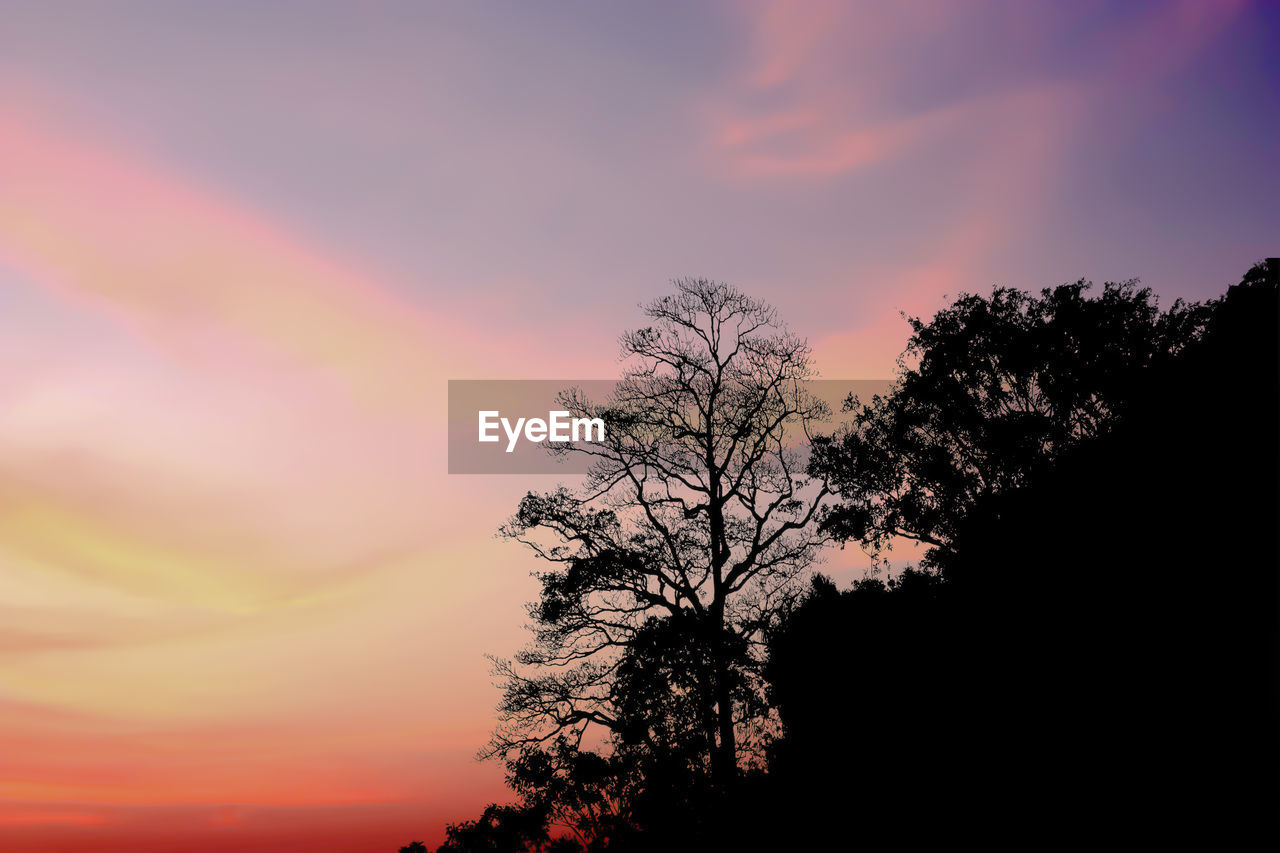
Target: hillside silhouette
1096, 656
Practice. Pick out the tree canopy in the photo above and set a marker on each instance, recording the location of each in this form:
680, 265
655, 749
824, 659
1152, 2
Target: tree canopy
987, 389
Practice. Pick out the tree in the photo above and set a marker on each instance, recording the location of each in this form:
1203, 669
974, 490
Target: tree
873, 685
679, 550
1096, 650
986, 390
499, 829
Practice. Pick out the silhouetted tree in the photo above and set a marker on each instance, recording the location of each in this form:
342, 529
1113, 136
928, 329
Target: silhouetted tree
681, 547
874, 686
499, 829
653, 776
1091, 650
580, 789
988, 388
414, 847
1094, 653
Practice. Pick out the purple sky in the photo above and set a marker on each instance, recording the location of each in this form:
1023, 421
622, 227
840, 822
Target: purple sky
244, 245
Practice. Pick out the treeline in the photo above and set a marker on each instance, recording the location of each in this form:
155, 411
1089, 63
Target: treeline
1086, 654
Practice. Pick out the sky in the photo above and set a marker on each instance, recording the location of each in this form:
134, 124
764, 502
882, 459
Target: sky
244, 246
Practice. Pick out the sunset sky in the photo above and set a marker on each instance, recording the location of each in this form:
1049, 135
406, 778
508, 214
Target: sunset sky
243, 247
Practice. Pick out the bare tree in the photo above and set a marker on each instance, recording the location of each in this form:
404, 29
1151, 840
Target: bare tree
694, 522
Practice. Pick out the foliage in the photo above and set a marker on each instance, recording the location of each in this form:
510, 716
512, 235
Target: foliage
501, 829
986, 390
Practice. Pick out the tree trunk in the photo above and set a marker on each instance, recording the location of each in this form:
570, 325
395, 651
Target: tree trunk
724, 760
725, 764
